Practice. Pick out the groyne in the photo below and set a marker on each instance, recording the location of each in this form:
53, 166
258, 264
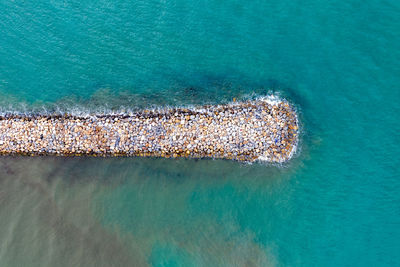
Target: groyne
264, 129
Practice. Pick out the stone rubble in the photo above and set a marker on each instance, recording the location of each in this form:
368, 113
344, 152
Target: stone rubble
245, 131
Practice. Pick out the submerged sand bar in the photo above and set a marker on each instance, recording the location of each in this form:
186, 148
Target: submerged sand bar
263, 129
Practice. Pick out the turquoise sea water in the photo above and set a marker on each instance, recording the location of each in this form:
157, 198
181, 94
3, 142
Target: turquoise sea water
337, 203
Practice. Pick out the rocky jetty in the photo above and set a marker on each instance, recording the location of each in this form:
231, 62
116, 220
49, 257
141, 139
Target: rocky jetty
263, 129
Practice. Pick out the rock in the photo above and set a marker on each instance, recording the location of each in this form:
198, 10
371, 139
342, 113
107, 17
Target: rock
245, 129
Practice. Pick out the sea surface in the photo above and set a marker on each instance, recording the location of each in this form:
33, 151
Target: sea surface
336, 203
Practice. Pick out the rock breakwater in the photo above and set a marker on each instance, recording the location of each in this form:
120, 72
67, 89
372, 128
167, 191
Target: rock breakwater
264, 129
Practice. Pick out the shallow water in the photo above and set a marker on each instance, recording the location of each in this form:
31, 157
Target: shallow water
336, 203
